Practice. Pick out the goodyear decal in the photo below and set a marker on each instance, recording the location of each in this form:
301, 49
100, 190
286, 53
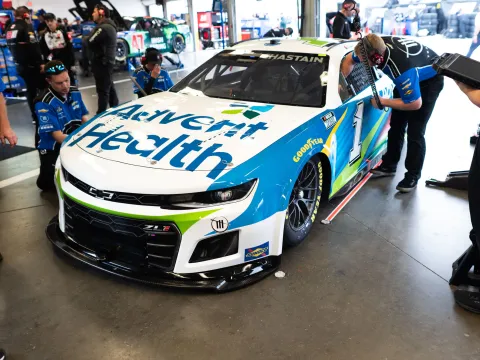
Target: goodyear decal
257, 252
306, 148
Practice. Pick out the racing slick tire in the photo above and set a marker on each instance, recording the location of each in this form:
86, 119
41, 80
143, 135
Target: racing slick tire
178, 44
304, 203
122, 51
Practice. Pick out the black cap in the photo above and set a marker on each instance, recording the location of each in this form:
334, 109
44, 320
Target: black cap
153, 56
54, 67
49, 16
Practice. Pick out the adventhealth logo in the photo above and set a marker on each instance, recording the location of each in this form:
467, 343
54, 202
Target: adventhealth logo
250, 112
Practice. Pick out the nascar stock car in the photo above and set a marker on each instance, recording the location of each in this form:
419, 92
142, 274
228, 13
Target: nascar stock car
204, 185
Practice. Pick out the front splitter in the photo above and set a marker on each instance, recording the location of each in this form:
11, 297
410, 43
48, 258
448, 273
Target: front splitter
220, 280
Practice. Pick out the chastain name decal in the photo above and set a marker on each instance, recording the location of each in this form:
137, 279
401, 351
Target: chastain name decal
312, 59
115, 139
305, 148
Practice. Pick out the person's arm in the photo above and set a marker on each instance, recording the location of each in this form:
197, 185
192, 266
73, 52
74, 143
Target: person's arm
472, 94
168, 80
59, 136
84, 119
348, 63
6, 132
69, 49
408, 85
48, 122
97, 37
44, 48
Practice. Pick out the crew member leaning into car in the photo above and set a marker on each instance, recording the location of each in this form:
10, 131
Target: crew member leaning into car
150, 77
60, 110
417, 87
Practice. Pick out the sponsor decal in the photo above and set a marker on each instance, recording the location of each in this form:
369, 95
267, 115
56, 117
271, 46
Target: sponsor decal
43, 111
250, 112
407, 86
220, 224
46, 127
299, 58
44, 118
329, 120
307, 147
408, 92
157, 228
157, 40
156, 147
257, 252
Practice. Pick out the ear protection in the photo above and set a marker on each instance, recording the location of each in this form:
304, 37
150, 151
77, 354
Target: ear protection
347, 5
26, 16
375, 56
101, 12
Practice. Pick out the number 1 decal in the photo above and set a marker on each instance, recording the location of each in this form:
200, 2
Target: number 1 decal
356, 151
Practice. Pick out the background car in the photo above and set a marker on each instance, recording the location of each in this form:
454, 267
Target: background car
204, 185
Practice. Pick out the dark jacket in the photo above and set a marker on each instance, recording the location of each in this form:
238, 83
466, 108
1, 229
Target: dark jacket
23, 44
102, 43
57, 46
342, 27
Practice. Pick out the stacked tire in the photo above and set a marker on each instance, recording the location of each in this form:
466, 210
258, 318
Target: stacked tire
452, 31
428, 21
470, 19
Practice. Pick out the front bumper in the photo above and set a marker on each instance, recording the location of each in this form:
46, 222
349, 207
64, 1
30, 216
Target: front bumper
220, 280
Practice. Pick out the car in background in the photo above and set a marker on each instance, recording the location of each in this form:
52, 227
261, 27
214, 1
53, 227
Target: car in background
134, 34
204, 186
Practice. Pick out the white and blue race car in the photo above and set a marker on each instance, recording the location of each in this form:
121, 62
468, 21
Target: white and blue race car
203, 186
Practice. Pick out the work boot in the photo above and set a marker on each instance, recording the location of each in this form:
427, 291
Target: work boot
383, 170
407, 184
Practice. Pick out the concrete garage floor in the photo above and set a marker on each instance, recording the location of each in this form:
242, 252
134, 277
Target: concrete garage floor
372, 285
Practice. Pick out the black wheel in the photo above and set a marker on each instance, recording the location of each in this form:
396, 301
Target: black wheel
122, 51
304, 203
178, 44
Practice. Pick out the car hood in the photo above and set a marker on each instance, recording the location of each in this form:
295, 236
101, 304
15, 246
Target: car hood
184, 133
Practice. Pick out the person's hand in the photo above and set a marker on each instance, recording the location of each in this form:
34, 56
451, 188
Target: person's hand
374, 102
9, 135
156, 71
464, 87
475, 39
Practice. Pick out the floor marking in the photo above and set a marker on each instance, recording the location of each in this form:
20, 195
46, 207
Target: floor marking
93, 86
348, 198
19, 178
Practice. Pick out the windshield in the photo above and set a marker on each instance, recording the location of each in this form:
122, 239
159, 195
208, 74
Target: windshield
266, 77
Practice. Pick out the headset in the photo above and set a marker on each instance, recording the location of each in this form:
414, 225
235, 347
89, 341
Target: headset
101, 11
375, 57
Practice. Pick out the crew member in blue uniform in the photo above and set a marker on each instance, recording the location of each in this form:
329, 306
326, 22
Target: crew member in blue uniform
417, 87
60, 110
150, 76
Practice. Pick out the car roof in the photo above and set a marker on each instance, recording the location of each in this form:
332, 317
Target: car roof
300, 45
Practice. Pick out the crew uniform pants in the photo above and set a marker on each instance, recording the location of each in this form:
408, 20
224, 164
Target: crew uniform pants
474, 46
414, 123
34, 81
46, 178
474, 195
105, 88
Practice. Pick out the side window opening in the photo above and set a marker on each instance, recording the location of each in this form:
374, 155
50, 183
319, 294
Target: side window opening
354, 83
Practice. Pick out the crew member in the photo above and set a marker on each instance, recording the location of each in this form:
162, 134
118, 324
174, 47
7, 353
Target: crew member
103, 45
42, 26
473, 184
150, 76
278, 32
25, 49
6, 134
77, 26
417, 87
476, 36
60, 110
56, 45
342, 26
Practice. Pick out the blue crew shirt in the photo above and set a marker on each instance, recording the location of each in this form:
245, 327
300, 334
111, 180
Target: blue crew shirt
143, 76
56, 113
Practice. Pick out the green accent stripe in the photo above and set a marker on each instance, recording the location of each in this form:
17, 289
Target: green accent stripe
183, 221
59, 184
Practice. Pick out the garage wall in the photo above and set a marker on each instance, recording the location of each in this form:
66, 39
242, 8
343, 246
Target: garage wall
60, 7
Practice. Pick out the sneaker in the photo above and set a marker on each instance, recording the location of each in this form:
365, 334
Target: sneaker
407, 185
383, 171
3, 354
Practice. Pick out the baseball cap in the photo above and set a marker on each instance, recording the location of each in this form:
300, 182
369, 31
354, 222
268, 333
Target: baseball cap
54, 67
153, 56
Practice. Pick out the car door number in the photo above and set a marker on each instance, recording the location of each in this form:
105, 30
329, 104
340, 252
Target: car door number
356, 151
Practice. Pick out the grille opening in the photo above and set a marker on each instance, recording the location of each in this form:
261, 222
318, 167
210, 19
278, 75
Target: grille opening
216, 247
120, 239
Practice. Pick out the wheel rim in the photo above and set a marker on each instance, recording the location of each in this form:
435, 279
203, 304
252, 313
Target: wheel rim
121, 50
304, 196
178, 43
